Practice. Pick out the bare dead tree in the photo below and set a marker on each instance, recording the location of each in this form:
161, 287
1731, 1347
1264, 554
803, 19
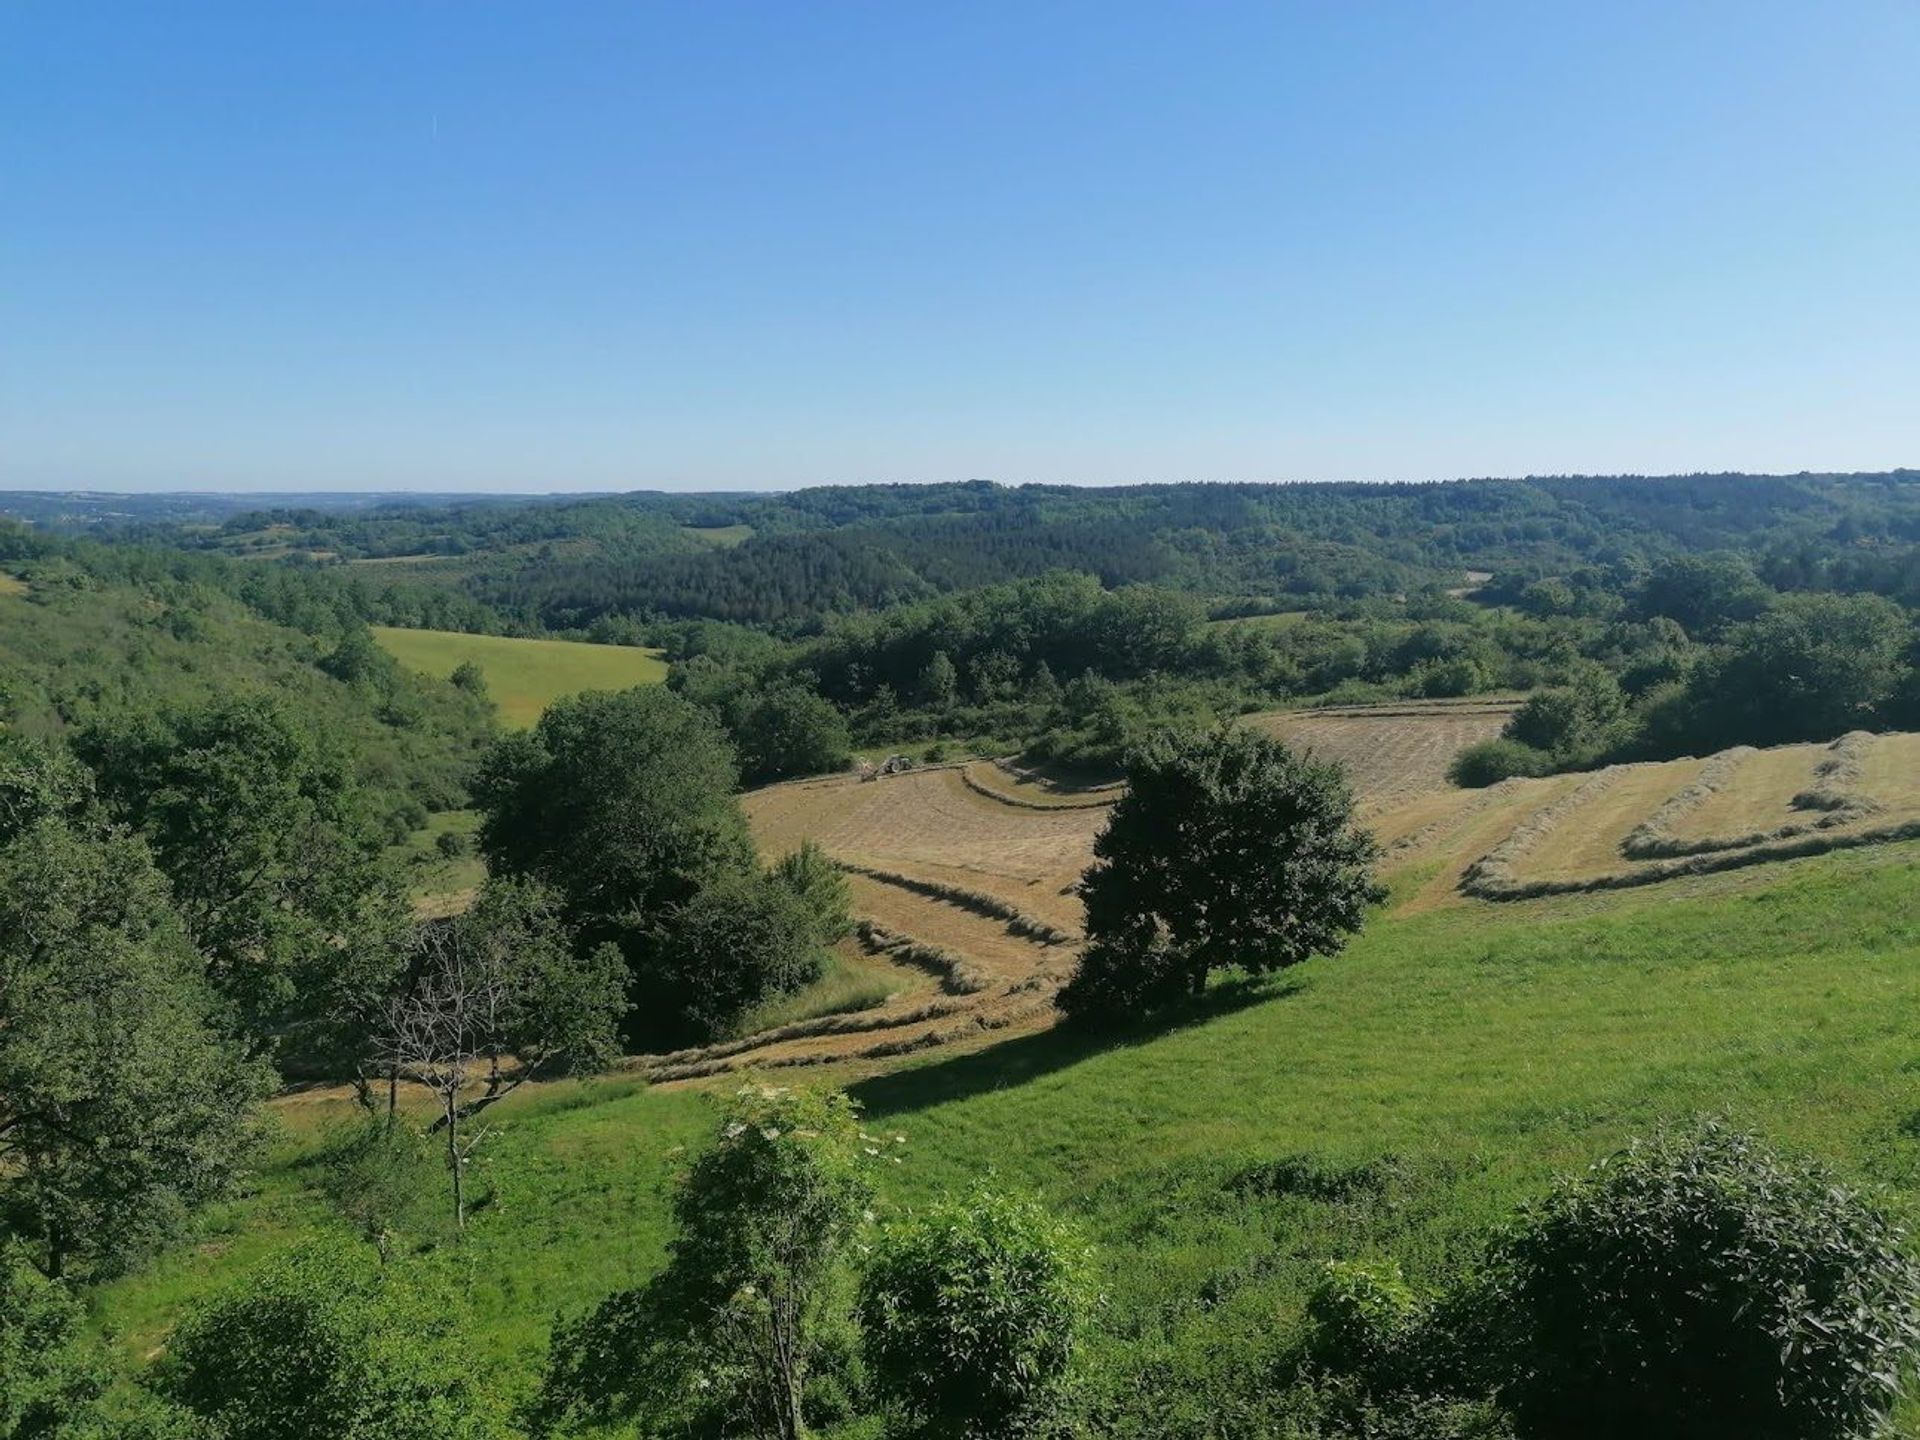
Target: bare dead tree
495, 998
444, 1030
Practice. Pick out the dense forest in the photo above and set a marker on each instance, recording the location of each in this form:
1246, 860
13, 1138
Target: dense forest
793, 560
1653, 616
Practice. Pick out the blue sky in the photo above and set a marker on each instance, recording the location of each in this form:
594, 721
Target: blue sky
369, 244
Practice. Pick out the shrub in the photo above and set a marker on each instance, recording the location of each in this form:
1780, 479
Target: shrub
741, 940
49, 1373
729, 1337
1361, 1315
470, 678
1492, 761
1575, 721
377, 1174
1699, 1285
322, 1346
971, 1311
821, 886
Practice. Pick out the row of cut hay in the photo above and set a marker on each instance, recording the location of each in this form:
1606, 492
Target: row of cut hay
1022, 802
1453, 820
1653, 837
1495, 875
856, 1023
1017, 921
956, 973
1837, 778
1836, 797
1713, 863
985, 1022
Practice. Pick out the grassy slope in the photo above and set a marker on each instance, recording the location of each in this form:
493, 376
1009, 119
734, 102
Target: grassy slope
525, 676
1479, 1050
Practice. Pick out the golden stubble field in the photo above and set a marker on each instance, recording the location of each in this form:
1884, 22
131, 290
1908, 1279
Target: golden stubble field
978, 863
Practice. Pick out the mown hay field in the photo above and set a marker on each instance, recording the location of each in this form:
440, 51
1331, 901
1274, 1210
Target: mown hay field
1392, 753
984, 834
524, 676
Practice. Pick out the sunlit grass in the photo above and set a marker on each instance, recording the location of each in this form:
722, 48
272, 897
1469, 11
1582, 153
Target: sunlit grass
1468, 1055
525, 676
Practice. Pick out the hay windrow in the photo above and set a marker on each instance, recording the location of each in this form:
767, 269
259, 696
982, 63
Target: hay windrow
1653, 837
1002, 797
1837, 778
1835, 797
1709, 864
1017, 921
855, 1024
957, 974
1494, 876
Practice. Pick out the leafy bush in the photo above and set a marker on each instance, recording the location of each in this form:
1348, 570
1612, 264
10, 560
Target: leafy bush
378, 1175
1699, 1285
741, 940
727, 1338
1572, 722
970, 1313
322, 1346
1491, 761
1361, 1315
48, 1372
822, 888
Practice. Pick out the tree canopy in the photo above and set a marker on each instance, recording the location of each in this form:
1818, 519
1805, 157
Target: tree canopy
1227, 849
123, 1104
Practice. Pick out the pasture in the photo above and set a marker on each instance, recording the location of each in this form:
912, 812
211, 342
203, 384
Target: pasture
524, 676
1391, 1102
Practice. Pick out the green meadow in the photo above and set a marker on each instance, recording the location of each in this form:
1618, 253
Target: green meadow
1397, 1101
525, 676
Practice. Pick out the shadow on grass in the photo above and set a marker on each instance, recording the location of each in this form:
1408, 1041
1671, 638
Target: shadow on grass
1015, 1062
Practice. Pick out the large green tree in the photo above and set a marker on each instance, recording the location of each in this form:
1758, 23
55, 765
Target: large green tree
623, 803
1227, 849
269, 846
123, 1104
789, 730
1811, 668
